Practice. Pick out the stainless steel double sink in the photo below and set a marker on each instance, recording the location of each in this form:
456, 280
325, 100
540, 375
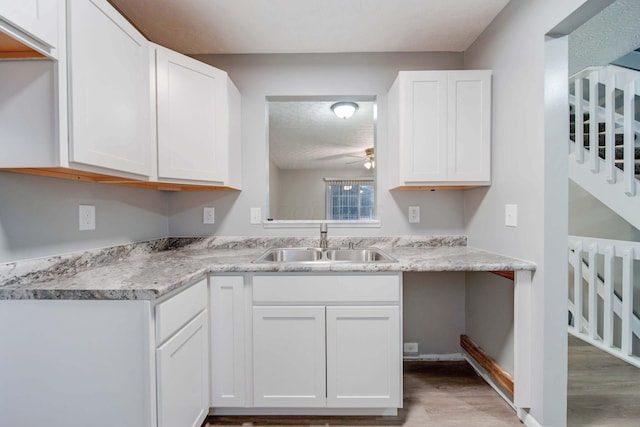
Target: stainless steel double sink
316, 255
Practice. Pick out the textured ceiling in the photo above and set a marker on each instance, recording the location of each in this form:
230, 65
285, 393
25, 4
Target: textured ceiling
607, 36
311, 26
307, 135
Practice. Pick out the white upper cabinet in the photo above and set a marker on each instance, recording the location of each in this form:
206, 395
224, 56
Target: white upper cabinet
440, 129
32, 19
109, 116
107, 105
198, 130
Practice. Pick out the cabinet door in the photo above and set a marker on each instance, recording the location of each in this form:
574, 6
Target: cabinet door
423, 117
182, 376
109, 89
364, 364
38, 18
227, 341
191, 102
469, 128
289, 357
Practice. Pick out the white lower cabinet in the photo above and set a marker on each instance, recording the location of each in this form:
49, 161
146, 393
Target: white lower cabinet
182, 371
330, 341
364, 363
182, 358
289, 357
69, 361
227, 341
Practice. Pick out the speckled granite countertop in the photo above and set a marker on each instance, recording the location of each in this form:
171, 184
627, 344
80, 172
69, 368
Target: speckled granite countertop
150, 270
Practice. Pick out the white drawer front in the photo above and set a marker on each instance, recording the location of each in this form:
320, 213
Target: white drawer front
302, 289
176, 312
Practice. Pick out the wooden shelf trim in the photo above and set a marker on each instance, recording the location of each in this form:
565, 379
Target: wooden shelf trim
436, 187
13, 49
501, 376
78, 175
511, 275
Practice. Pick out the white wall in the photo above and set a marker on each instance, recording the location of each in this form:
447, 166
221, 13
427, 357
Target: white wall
274, 193
529, 169
39, 216
590, 217
433, 311
258, 76
302, 192
487, 320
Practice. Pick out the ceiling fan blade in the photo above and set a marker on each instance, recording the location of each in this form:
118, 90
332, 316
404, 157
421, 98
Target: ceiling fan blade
340, 156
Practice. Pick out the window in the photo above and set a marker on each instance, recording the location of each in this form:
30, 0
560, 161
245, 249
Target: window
350, 199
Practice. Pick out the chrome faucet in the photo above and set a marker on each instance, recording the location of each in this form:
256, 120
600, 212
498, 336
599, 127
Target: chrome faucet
323, 236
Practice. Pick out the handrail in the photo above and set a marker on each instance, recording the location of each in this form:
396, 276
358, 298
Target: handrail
587, 241
602, 285
614, 78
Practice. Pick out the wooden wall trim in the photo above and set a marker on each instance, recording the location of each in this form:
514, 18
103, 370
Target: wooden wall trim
511, 275
501, 376
435, 187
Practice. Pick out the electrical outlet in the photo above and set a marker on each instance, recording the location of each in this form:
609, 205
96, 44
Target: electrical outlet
256, 216
511, 215
87, 217
208, 216
414, 214
410, 347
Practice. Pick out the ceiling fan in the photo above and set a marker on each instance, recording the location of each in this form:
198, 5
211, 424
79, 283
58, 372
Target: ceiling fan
368, 158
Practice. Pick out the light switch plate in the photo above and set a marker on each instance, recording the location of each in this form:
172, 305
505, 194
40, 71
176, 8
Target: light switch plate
209, 216
414, 214
410, 347
256, 216
511, 215
86, 217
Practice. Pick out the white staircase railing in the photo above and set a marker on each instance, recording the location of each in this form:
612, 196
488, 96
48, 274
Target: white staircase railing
616, 259
600, 176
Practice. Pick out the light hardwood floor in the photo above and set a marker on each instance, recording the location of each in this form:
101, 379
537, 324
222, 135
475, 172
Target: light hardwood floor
603, 390
436, 394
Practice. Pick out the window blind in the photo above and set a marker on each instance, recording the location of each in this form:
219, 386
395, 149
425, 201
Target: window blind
349, 199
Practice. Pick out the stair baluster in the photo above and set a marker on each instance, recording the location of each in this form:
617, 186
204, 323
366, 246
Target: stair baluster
609, 127
593, 291
577, 288
627, 301
629, 138
607, 130
607, 329
585, 255
594, 161
579, 121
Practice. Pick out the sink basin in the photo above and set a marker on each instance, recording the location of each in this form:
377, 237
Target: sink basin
314, 255
358, 255
291, 255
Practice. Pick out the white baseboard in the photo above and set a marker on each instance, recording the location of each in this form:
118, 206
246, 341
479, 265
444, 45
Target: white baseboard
373, 412
446, 357
527, 418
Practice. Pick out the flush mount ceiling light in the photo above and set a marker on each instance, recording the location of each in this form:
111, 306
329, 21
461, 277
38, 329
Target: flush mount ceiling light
344, 110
